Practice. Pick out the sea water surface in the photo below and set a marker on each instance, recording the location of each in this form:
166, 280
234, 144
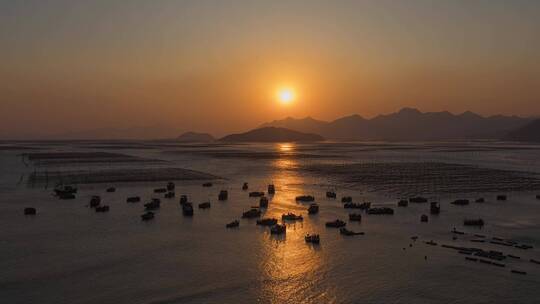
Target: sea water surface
68, 253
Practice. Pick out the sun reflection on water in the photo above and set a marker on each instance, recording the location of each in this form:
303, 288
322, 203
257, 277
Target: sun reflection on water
291, 270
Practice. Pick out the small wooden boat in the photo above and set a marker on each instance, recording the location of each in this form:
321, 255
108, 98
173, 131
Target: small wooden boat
335, 224
207, 184
347, 232
170, 186
133, 199
278, 229
160, 190
313, 209
169, 195
271, 189
501, 197
346, 199
362, 206
305, 198
60, 190
204, 205
518, 271
435, 208
95, 201
330, 194
252, 213
256, 194
312, 238
187, 209
233, 224
66, 196
403, 203
245, 186
223, 195
380, 210
424, 218
263, 202
267, 222
147, 216
153, 204
29, 211
103, 208
111, 189
473, 222
183, 199
291, 217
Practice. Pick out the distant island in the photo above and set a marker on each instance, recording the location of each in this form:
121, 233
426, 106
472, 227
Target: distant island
530, 132
408, 124
272, 134
195, 137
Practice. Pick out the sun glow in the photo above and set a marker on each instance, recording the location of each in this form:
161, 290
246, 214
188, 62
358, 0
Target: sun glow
286, 95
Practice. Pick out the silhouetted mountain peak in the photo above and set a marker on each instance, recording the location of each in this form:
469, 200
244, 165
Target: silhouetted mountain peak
272, 134
469, 114
408, 124
409, 111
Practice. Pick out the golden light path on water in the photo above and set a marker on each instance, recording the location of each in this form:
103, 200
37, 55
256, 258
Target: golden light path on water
291, 269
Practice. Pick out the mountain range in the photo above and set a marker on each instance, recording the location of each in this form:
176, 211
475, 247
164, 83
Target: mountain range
408, 124
272, 134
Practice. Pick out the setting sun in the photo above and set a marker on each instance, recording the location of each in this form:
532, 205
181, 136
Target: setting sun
286, 95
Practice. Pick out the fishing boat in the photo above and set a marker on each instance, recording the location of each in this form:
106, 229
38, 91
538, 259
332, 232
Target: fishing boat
60, 190
95, 201
29, 211
133, 199
187, 209
204, 205
267, 222
263, 202
147, 216
223, 195
278, 229
256, 194
347, 232
336, 224
291, 217
403, 203
346, 199
313, 209
233, 224
312, 238
252, 213
305, 198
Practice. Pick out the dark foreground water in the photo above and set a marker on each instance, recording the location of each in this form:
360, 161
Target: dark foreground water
68, 253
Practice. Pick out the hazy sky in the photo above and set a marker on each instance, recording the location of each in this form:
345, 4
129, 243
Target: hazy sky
215, 65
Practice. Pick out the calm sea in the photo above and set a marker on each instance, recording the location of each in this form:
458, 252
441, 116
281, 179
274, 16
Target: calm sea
68, 253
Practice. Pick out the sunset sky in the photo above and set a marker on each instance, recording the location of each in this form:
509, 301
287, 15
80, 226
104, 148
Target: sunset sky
217, 66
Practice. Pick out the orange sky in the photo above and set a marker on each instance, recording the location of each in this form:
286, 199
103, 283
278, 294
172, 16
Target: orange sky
215, 65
